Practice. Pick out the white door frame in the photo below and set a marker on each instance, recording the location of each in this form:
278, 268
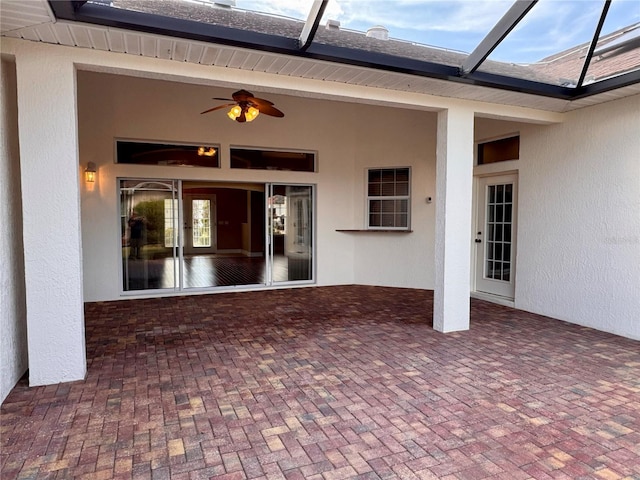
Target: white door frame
482, 285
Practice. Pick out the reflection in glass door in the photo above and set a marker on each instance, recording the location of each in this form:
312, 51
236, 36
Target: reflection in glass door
223, 234
148, 228
199, 224
290, 229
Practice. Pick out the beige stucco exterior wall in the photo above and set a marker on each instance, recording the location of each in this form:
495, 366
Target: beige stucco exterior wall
578, 250
394, 137
579, 229
13, 316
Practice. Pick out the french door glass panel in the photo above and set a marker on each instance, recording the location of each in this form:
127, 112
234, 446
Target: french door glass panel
290, 226
498, 228
148, 228
201, 223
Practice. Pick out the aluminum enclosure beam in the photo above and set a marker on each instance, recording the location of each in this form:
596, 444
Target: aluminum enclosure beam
507, 23
594, 42
97, 14
311, 26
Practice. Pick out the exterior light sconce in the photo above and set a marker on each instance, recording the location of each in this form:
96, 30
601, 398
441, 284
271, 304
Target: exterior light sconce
90, 173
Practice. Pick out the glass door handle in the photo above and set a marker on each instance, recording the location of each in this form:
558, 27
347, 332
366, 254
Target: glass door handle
478, 240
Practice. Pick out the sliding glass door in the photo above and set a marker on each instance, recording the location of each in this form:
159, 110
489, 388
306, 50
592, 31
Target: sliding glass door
290, 227
223, 234
179, 235
149, 234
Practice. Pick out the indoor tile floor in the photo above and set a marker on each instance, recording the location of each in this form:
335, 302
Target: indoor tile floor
330, 383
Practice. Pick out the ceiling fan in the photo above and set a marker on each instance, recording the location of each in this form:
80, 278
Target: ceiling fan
246, 107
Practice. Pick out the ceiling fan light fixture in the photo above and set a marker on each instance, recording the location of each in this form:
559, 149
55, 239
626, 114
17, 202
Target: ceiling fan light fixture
251, 114
246, 107
235, 112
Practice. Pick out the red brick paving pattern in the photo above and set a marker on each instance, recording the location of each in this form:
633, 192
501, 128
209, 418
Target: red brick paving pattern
330, 383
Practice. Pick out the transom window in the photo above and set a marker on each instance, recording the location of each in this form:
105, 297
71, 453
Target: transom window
500, 150
262, 159
388, 198
145, 153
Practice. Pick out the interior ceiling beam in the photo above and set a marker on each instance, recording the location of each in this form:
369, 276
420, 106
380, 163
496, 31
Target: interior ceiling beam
501, 29
594, 42
313, 21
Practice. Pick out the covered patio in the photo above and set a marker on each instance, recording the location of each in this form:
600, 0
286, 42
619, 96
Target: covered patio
330, 383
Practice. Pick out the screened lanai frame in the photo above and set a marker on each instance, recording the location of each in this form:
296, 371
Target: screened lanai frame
303, 39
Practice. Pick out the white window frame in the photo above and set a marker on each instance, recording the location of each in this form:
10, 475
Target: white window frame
369, 198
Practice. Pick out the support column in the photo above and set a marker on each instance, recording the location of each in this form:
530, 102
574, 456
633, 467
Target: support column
454, 175
50, 169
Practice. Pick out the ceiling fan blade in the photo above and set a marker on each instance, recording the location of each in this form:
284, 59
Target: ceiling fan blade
269, 110
259, 101
223, 99
218, 107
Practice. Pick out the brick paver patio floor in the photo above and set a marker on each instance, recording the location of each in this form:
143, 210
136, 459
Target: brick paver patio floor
330, 383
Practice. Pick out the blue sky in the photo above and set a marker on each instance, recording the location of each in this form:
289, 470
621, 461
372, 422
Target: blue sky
552, 26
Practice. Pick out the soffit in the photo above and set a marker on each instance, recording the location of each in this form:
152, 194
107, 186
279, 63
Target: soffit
15, 15
34, 21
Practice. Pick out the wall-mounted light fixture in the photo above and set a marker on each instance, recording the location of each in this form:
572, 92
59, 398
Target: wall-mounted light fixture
90, 173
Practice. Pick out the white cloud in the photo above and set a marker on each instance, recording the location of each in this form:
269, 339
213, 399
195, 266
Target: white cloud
287, 8
444, 15
424, 15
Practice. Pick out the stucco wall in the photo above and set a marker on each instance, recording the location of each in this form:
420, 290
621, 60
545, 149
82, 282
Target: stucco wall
13, 323
578, 250
579, 229
348, 138
395, 137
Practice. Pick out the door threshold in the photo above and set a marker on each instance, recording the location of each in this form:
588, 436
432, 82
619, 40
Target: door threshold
507, 302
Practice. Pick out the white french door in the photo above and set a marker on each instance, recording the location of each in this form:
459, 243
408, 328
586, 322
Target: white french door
495, 238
